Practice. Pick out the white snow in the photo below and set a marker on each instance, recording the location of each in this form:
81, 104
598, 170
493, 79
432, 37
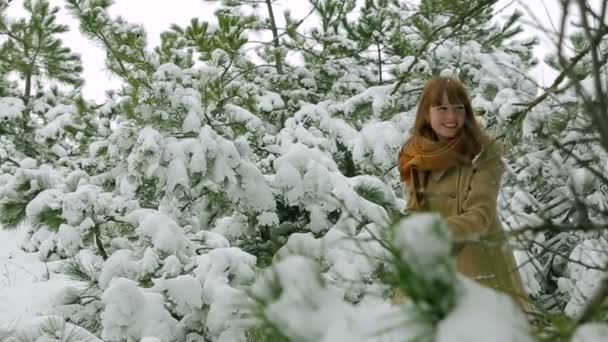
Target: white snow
11, 108
29, 288
584, 274
187, 261
130, 311
482, 314
185, 291
591, 332
164, 233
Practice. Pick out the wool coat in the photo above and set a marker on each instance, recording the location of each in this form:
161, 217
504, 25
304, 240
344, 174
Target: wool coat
466, 196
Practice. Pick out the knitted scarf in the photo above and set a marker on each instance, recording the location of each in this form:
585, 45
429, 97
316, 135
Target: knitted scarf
423, 154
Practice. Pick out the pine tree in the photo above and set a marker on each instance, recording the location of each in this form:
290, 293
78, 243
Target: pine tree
33, 52
188, 146
559, 193
228, 196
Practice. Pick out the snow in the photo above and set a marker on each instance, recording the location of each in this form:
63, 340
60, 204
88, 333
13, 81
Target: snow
303, 308
46, 199
58, 118
229, 227
377, 96
301, 244
226, 263
22, 274
177, 171
211, 170
407, 64
590, 332
290, 179
483, 315
376, 146
119, 264
164, 233
582, 180
192, 123
269, 102
77, 205
11, 108
185, 291
48, 328
134, 313
300, 157
241, 115
254, 189
171, 266
424, 244
69, 240
528, 266
28, 163
145, 157
150, 262
585, 275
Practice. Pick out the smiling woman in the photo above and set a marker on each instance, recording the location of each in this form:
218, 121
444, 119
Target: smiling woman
447, 119
452, 167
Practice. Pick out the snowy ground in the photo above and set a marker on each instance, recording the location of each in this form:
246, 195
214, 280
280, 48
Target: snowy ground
25, 288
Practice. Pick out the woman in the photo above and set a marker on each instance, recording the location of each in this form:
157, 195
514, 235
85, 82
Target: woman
450, 166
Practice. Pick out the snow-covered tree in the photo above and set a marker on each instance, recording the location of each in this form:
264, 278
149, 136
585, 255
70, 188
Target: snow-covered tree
215, 197
556, 189
32, 57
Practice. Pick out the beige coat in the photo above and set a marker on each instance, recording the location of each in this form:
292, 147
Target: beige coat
466, 196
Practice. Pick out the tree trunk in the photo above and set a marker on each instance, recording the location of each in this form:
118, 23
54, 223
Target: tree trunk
28, 88
379, 63
275, 38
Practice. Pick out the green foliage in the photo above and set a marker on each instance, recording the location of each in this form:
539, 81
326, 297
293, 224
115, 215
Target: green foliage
124, 43
148, 192
76, 270
50, 218
265, 333
230, 36
170, 49
263, 249
373, 195
341, 59
430, 8
33, 50
14, 203
432, 298
554, 327
345, 160
12, 211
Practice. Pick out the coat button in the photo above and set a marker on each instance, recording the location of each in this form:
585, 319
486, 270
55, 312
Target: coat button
453, 195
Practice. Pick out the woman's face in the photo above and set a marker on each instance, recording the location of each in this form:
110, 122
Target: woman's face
447, 119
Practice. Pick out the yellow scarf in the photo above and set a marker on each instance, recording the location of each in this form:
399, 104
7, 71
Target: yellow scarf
420, 153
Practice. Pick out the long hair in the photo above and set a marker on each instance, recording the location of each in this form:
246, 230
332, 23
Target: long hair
457, 93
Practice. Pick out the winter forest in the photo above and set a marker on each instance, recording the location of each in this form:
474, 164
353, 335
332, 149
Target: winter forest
240, 185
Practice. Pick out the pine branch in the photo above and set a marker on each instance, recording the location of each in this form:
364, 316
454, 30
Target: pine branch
595, 303
99, 243
76, 270
12, 211
48, 217
9, 160
455, 23
554, 87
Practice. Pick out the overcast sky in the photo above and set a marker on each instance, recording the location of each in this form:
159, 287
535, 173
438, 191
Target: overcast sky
158, 15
